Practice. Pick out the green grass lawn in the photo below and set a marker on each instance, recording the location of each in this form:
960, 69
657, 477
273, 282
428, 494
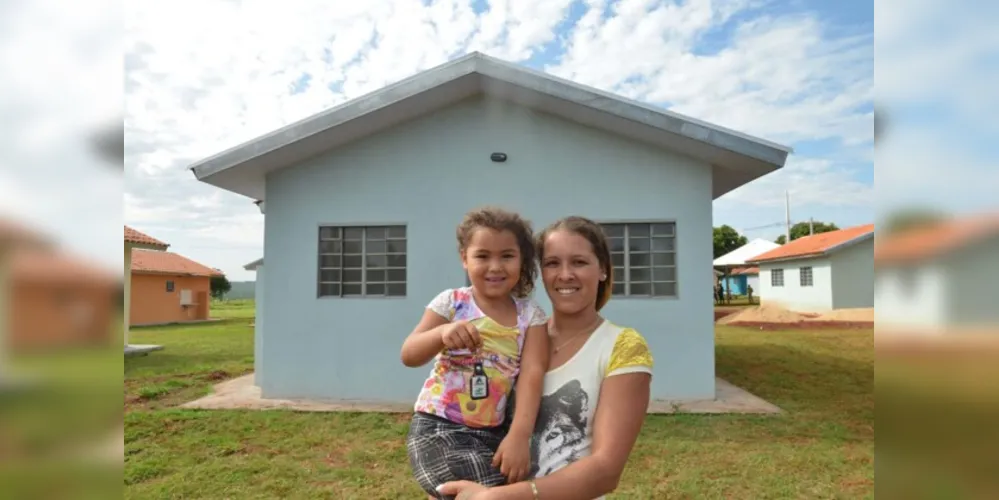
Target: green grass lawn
822, 448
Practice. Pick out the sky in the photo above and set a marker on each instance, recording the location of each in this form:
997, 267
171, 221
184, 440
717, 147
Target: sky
200, 76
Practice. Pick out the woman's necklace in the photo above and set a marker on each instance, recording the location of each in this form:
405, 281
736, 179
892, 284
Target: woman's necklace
588, 329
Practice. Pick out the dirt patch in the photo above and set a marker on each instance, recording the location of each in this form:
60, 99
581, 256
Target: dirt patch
773, 317
808, 324
865, 314
217, 375
721, 313
764, 314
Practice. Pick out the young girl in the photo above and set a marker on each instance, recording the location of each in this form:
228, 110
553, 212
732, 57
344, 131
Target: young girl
486, 339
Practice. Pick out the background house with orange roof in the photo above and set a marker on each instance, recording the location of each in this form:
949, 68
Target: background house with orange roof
168, 288
820, 272
50, 299
135, 239
61, 301
939, 277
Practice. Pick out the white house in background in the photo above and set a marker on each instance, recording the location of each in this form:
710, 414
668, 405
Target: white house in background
258, 317
361, 202
940, 277
740, 274
821, 272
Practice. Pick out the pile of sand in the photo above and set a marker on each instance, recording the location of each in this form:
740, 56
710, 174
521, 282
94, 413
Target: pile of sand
769, 313
865, 314
766, 313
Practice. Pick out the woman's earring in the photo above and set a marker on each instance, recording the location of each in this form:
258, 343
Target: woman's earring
603, 278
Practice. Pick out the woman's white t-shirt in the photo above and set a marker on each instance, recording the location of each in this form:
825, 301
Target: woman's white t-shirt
564, 429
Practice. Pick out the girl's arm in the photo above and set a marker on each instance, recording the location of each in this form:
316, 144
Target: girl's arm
530, 381
425, 340
624, 400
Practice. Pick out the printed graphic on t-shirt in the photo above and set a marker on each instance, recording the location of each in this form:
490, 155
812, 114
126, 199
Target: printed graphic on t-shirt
560, 429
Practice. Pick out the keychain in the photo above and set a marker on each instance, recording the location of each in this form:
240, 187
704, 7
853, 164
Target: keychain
479, 382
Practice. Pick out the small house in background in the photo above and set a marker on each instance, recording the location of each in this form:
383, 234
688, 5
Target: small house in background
257, 266
49, 298
361, 200
741, 275
168, 288
60, 301
939, 277
820, 272
740, 279
135, 239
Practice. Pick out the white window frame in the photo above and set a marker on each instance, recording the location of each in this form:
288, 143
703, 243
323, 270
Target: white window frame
332, 243
774, 280
657, 230
806, 276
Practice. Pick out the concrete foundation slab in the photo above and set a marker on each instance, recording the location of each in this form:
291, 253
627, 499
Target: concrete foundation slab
141, 349
241, 394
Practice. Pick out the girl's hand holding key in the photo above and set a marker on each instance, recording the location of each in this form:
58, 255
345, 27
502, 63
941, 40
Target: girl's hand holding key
461, 335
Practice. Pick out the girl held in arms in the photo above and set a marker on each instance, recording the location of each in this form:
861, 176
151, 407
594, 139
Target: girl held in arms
486, 340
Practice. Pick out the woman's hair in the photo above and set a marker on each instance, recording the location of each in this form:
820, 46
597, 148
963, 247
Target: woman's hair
503, 220
593, 233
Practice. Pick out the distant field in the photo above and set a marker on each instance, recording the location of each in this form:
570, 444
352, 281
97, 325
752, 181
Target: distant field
242, 290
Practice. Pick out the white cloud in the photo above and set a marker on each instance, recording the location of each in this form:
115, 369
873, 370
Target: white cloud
61, 77
204, 76
813, 182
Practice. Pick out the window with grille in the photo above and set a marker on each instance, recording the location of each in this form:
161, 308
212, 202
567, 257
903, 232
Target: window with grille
644, 258
777, 277
805, 276
362, 261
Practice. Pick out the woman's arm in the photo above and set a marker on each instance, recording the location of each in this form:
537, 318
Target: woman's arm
425, 340
530, 381
621, 410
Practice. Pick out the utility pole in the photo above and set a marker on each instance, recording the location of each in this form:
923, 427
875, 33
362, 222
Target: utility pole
811, 226
787, 216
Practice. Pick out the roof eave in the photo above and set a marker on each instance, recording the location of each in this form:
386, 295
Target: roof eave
147, 246
742, 157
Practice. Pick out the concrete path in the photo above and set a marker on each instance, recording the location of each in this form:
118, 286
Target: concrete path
241, 394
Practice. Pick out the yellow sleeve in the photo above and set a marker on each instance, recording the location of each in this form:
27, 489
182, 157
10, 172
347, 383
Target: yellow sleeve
630, 354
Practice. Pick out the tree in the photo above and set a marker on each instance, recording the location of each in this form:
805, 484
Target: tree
911, 218
727, 239
220, 286
804, 229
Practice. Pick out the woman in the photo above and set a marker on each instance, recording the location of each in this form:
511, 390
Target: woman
596, 391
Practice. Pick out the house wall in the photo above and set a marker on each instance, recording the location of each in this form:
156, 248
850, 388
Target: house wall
792, 295
753, 280
426, 174
911, 297
972, 274
152, 304
44, 316
852, 276
736, 283
258, 326
128, 290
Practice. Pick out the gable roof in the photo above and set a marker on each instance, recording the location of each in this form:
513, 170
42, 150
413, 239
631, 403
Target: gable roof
159, 262
817, 245
735, 158
738, 256
253, 266
17, 234
140, 238
56, 267
927, 242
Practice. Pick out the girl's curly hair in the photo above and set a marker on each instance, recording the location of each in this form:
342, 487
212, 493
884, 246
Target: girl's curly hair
504, 220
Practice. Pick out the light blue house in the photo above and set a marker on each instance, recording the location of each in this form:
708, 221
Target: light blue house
361, 202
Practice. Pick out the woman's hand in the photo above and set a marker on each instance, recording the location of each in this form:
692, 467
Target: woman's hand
463, 490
